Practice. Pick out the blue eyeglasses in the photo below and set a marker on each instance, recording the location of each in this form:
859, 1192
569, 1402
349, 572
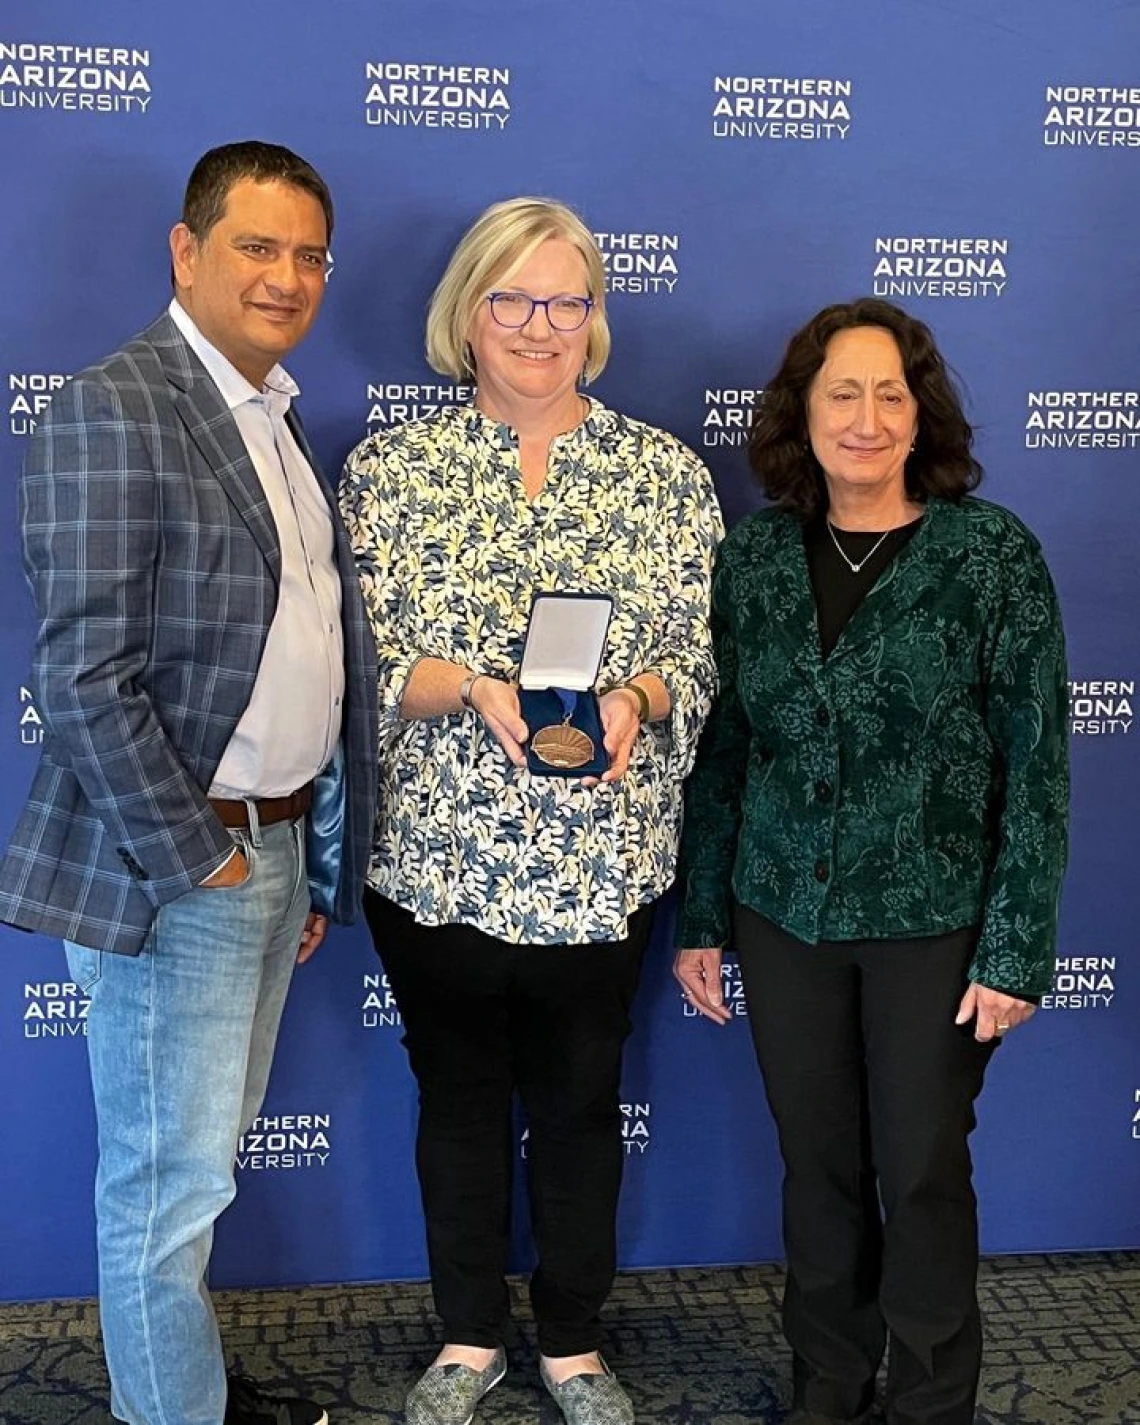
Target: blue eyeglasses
515, 309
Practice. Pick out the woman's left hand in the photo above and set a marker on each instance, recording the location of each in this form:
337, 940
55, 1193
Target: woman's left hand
993, 1013
621, 723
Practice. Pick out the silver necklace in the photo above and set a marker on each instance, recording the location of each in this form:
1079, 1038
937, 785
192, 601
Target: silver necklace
851, 564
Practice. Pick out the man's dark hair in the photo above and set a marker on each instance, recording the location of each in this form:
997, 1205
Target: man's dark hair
219, 169
941, 464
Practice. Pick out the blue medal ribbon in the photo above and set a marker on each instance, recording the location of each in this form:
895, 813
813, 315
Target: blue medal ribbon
569, 700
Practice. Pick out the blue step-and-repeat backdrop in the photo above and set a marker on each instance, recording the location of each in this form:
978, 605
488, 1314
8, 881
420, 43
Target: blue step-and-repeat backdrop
742, 165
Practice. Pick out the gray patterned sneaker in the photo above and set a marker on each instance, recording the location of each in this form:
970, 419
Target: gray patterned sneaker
590, 1399
448, 1395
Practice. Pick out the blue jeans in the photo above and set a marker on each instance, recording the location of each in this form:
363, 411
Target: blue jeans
180, 1041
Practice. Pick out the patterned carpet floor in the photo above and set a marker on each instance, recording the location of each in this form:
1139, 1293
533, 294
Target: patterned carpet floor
699, 1345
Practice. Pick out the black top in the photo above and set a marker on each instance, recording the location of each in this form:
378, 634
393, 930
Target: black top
837, 588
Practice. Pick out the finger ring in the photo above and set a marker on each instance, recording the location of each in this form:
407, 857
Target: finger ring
1001, 1028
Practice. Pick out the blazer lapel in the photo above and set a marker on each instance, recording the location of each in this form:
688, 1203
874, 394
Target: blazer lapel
297, 430
211, 426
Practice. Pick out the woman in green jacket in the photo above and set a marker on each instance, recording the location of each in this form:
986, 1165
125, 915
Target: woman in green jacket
878, 819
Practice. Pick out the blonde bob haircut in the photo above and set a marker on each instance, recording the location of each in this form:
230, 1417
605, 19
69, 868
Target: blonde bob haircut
490, 252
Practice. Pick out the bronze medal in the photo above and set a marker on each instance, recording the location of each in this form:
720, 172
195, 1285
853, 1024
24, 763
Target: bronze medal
562, 746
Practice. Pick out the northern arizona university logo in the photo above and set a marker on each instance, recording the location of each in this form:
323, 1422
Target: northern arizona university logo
1082, 420
752, 106
1083, 982
55, 1009
636, 1119
391, 403
29, 395
1091, 116
31, 725
96, 79
378, 1009
285, 1142
1101, 707
437, 96
728, 414
640, 264
940, 266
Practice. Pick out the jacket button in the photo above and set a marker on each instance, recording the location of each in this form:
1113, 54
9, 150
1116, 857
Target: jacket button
824, 790
823, 715
822, 871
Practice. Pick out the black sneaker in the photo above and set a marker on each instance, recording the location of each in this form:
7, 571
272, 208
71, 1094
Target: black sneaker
248, 1404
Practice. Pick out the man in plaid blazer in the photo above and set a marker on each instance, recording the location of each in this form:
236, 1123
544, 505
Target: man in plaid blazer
205, 798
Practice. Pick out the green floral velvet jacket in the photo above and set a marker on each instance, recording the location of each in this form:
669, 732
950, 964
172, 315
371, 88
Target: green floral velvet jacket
913, 783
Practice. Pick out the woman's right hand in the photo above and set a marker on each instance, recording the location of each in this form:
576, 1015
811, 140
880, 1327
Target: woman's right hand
497, 703
698, 973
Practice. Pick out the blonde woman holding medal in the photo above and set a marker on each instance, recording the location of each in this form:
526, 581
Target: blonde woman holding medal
513, 883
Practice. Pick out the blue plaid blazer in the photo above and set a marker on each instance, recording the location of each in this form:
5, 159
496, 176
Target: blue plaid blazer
154, 563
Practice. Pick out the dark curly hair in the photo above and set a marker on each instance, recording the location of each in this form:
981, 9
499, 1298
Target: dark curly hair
779, 453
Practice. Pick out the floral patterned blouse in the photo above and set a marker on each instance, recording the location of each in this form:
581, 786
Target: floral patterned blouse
451, 554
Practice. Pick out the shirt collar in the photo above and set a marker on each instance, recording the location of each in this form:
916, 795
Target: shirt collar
484, 427
278, 390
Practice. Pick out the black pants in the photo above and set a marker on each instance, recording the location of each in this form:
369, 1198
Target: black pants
872, 1087
482, 1019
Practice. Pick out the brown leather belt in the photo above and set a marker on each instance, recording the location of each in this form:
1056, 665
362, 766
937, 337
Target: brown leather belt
269, 809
